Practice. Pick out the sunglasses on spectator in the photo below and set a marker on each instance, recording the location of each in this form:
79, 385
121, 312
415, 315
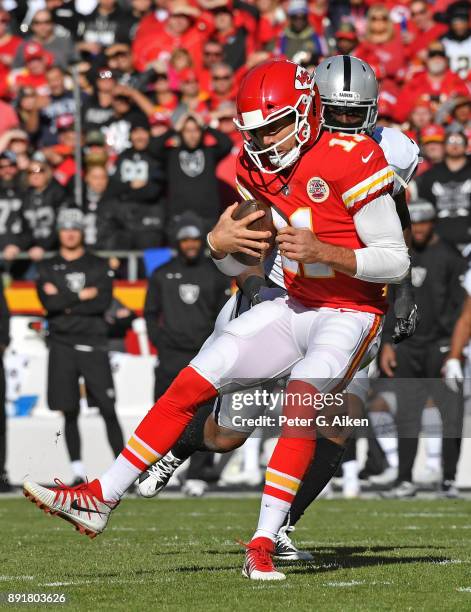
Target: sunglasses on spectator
379, 18
213, 53
417, 13
436, 53
42, 22
222, 77
36, 170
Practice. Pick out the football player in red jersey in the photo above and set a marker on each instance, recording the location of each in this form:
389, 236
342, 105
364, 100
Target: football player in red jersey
340, 240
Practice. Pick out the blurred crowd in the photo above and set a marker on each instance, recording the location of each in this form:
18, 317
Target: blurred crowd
124, 108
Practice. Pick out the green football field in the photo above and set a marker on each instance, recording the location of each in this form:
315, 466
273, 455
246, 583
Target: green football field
182, 555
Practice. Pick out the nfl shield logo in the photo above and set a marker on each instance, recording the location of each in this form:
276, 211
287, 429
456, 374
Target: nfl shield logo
317, 189
189, 293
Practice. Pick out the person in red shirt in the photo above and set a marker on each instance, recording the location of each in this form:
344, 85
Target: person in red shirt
436, 84
192, 99
157, 41
213, 54
421, 30
8, 47
223, 86
33, 75
382, 47
271, 23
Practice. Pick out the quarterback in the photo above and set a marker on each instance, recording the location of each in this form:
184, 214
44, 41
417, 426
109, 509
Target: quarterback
353, 112
340, 241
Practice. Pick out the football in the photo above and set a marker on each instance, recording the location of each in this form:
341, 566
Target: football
263, 224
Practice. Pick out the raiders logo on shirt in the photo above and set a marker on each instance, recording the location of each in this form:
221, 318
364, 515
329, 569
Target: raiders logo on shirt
192, 162
418, 276
75, 281
189, 293
317, 189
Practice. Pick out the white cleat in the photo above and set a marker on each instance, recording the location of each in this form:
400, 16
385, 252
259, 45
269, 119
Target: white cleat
285, 548
388, 477
77, 505
155, 479
258, 563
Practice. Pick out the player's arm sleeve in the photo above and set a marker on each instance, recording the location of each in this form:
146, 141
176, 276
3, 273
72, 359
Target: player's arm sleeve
384, 259
230, 266
402, 209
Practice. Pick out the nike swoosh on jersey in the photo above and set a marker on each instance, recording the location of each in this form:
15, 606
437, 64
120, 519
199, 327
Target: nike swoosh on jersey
366, 159
75, 506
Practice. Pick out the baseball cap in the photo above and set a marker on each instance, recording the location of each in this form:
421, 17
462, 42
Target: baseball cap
421, 210
160, 118
432, 133
65, 122
33, 50
9, 156
187, 75
95, 137
70, 218
297, 7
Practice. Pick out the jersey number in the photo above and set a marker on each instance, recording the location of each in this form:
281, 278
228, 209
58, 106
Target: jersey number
346, 141
302, 218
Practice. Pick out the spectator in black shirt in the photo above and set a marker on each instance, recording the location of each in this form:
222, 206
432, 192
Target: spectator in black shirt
129, 107
44, 197
12, 236
120, 61
98, 213
75, 289
107, 24
190, 154
65, 16
98, 109
448, 186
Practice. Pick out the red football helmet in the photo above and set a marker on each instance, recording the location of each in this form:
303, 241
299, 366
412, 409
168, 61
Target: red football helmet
271, 91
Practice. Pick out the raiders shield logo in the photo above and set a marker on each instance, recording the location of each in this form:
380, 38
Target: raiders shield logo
317, 189
192, 162
75, 281
418, 275
189, 293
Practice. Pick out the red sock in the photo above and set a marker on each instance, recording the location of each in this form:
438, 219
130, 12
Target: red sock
288, 464
167, 419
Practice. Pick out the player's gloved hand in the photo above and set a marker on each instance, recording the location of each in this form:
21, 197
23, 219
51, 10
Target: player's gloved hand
405, 310
453, 374
251, 288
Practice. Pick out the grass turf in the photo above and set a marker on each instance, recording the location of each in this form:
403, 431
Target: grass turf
182, 555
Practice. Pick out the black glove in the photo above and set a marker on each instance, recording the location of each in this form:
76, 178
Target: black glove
251, 288
405, 310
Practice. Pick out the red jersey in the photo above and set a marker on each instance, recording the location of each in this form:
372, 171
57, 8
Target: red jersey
329, 184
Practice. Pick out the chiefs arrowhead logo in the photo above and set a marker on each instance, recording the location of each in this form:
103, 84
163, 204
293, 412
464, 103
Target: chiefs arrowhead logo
302, 79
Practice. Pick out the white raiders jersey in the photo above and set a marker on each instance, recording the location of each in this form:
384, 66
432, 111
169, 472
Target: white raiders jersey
401, 153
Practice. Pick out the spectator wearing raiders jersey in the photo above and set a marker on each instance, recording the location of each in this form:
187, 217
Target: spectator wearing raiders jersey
75, 289
136, 187
44, 196
107, 24
448, 186
189, 155
12, 237
415, 365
